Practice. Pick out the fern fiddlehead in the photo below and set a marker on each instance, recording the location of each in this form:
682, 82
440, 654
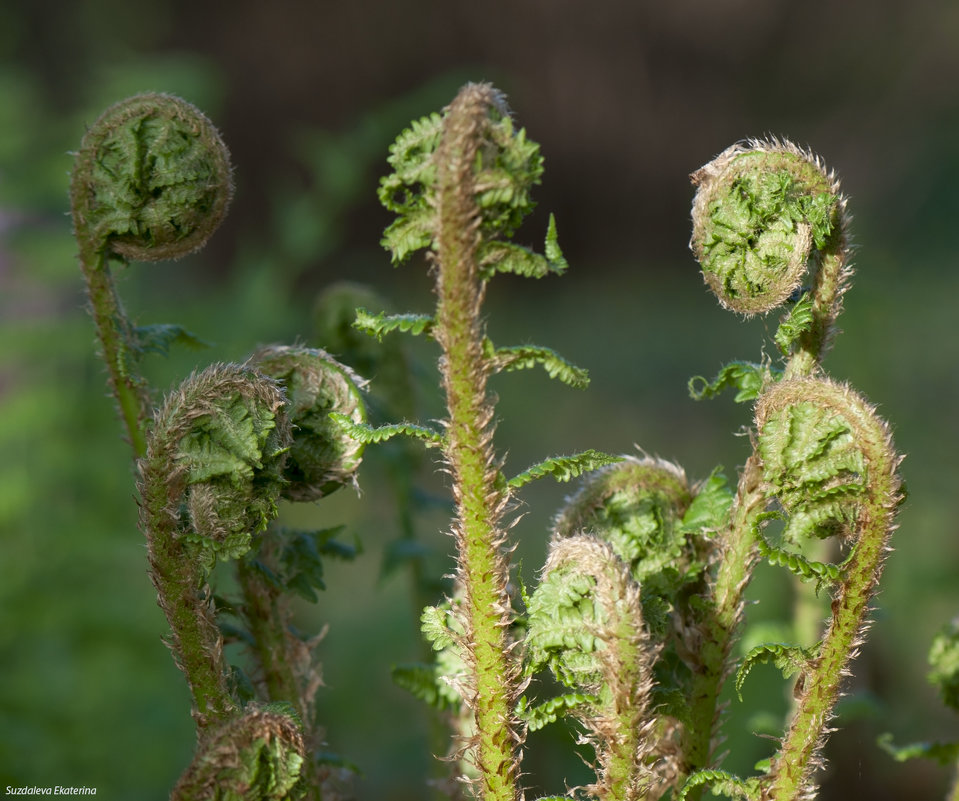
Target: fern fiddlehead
587, 622
256, 756
769, 229
767, 214
151, 181
636, 520
210, 480
321, 459
829, 461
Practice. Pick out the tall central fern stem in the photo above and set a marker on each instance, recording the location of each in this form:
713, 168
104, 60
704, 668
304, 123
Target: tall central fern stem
482, 565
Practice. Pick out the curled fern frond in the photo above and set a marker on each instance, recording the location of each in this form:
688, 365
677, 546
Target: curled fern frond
829, 461
562, 620
643, 510
586, 624
322, 456
523, 357
814, 463
790, 659
378, 325
762, 211
564, 468
217, 451
152, 179
257, 756
637, 506
746, 378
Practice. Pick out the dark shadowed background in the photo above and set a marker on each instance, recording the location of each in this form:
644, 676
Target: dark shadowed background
626, 99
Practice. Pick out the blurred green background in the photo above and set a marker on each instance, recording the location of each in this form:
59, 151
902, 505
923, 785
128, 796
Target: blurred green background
626, 98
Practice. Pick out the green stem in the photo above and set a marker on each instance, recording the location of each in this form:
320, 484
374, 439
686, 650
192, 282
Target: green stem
810, 609
185, 600
482, 567
113, 330
268, 624
721, 622
789, 776
830, 283
275, 651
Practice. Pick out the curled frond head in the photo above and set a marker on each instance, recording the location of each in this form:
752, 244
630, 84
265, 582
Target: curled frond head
323, 457
586, 623
647, 481
762, 211
218, 444
256, 756
637, 506
152, 179
824, 454
585, 592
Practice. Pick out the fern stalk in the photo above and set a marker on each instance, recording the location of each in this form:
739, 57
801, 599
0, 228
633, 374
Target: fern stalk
276, 651
720, 621
789, 777
113, 332
182, 594
749, 201
482, 569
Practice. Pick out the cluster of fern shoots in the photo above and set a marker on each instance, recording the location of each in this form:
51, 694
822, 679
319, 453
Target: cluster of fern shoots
630, 630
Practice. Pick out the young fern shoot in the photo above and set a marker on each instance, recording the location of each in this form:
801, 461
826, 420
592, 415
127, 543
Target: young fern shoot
152, 181
766, 218
641, 601
460, 188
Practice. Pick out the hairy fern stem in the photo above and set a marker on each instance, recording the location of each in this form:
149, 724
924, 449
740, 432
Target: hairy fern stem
482, 570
